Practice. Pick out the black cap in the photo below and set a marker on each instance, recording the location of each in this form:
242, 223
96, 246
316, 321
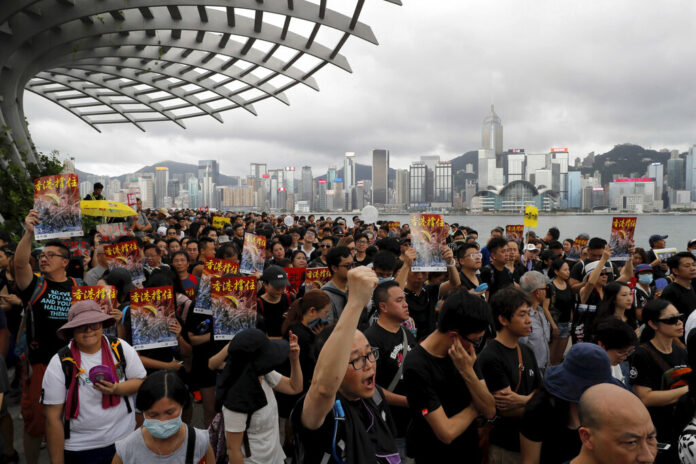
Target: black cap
276, 276
266, 354
655, 238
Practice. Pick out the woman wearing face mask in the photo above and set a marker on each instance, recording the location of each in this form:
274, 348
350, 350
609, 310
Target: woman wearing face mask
644, 290
163, 436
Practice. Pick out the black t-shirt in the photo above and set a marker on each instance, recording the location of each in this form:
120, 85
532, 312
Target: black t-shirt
562, 302
496, 279
684, 299
584, 318
466, 282
364, 262
390, 358
362, 415
545, 420
658, 272
421, 307
432, 382
500, 367
646, 371
50, 312
641, 298
273, 314
200, 324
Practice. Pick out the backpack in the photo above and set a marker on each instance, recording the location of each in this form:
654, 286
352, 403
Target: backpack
39, 290
68, 365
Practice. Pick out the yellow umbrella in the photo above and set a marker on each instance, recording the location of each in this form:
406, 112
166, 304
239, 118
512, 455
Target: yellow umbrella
106, 208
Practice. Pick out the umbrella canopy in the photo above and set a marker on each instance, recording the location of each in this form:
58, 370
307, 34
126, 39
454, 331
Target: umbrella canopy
106, 208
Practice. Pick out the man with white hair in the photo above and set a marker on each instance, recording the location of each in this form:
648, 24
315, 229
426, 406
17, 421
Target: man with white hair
533, 283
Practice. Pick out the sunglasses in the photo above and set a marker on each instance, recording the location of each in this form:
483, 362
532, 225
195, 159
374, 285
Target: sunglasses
92, 326
674, 320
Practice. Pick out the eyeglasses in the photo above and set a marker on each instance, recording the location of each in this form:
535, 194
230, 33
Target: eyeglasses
475, 255
324, 246
476, 343
92, 326
626, 353
52, 255
359, 362
604, 274
674, 320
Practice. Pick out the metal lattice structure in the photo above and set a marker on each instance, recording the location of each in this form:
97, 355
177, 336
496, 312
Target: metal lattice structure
141, 61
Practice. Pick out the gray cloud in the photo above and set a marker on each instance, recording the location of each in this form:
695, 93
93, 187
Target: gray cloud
585, 75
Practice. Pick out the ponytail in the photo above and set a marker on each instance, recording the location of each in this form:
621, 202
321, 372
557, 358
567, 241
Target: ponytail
312, 299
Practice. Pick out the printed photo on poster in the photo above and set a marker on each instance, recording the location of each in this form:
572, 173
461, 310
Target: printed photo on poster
427, 235
394, 229
296, 277
621, 239
576, 249
57, 200
665, 253
316, 277
219, 222
253, 255
233, 304
213, 267
515, 232
126, 255
151, 310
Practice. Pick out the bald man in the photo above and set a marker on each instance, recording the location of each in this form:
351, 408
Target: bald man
615, 428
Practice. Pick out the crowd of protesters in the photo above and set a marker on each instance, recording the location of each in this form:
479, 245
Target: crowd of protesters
515, 354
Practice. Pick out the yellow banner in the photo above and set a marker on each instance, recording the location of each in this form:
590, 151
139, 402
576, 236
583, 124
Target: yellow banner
219, 221
531, 216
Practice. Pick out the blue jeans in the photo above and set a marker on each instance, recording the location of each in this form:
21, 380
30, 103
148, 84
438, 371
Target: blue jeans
92, 456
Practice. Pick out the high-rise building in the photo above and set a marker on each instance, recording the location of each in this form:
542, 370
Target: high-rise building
492, 136
534, 161
380, 176
574, 190
209, 168
443, 184
656, 171
401, 188
289, 180
194, 192
146, 184
691, 172
330, 176
173, 188
307, 186
161, 183
257, 170
339, 196
321, 195
675, 173
417, 185
349, 179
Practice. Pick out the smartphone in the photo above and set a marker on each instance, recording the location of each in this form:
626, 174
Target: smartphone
481, 288
663, 446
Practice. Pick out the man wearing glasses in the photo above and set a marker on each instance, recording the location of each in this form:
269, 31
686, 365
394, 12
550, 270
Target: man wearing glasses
343, 418
469, 259
444, 386
49, 298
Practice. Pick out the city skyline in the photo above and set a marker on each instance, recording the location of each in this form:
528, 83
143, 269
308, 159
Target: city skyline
552, 89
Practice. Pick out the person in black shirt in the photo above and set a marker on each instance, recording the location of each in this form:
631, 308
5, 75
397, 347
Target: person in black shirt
510, 371
444, 386
274, 303
549, 429
595, 249
388, 335
496, 275
680, 292
657, 242
560, 302
469, 260
344, 416
422, 298
655, 373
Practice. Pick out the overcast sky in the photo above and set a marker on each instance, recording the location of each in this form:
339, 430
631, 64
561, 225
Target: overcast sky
583, 75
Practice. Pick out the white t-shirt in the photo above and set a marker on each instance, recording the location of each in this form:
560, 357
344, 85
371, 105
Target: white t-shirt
94, 426
263, 431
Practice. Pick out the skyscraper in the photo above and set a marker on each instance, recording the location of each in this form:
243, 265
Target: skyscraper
492, 136
330, 176
161, 181
349, 178
307, 189
380, 176
211, 169
290, 179
257, 170
417, 184
691, 172
675, 173
401, 188
443, 184
656, 171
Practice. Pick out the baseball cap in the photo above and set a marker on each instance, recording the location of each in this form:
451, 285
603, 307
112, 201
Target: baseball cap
691, 243
655, 238
642, 268
531, 247
276, 276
